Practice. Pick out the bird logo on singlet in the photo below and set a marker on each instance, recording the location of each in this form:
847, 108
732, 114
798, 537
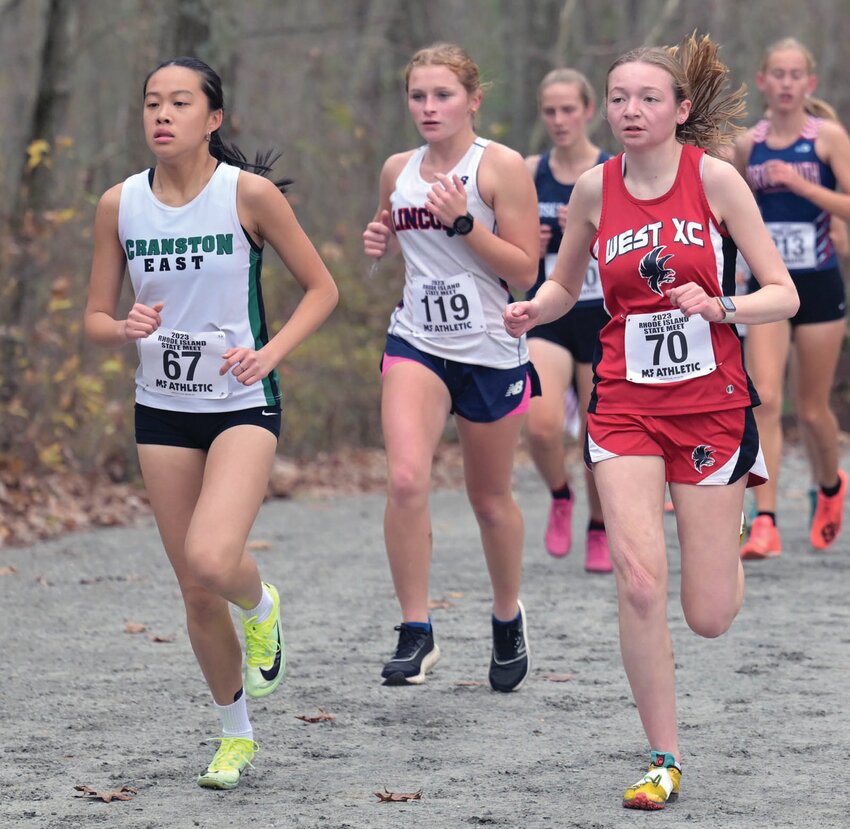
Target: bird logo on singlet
702, 456
652, 269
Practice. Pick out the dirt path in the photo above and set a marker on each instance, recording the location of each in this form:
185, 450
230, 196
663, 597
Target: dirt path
764, 712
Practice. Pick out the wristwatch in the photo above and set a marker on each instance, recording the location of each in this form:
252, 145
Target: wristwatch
728, 307
461, 225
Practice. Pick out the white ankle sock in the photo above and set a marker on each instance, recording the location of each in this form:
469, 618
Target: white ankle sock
263, 610
234, 718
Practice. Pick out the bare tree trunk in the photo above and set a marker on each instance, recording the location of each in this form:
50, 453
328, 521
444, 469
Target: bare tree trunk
26, 284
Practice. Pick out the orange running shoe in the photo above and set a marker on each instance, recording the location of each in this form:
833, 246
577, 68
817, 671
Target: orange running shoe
764, 540
826, 525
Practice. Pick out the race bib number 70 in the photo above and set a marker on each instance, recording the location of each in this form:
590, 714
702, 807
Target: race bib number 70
667, 346
184, 364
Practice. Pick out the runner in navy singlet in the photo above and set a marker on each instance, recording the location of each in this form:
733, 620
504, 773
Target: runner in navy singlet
795, 159
562, 351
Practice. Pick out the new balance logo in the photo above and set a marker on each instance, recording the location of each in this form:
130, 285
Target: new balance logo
515, 388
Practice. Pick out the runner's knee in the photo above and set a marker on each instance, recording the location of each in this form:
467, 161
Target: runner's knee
213, 563
202, 606
644, 591
493, 511
709, 619
408, 486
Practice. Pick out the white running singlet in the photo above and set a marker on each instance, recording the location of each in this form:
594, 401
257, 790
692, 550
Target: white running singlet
453, 302
199, 261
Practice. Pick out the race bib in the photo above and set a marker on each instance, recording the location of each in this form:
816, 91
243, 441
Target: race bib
796, 244
667, 346
447, 307
591, 288
182, 364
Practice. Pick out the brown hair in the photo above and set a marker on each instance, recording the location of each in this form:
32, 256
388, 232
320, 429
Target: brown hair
700, 77
451, 56
814, 106
569, 76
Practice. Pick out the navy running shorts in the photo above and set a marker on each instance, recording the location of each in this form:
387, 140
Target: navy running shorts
478, 393
822, 296
577, 331
197, 430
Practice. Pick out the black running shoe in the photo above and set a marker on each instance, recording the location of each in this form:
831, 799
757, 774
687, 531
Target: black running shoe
510, 662
414, 656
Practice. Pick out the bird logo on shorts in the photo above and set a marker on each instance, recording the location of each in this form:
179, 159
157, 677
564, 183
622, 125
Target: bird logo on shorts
652, 269
702, 456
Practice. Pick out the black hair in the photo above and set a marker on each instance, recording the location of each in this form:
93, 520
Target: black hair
227, 153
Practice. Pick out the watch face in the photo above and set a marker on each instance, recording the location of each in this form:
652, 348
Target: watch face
462, 225
727, 303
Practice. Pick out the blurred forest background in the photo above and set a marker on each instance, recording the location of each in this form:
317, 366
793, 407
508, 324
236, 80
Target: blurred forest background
320, 80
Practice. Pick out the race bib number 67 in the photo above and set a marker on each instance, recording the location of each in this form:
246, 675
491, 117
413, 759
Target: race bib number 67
184, 364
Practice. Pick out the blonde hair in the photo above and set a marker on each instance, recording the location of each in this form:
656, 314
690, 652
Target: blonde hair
451, 56
814, 106
568, 76
700, 77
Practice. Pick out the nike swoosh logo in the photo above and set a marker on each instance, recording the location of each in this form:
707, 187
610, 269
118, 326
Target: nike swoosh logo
270, 673
519, 657
264, 413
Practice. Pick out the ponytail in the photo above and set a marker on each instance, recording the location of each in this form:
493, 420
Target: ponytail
715, 109
261, 165
700, 77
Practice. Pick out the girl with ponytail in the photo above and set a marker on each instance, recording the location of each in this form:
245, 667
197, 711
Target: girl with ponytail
796, 159
191, 231
671, 402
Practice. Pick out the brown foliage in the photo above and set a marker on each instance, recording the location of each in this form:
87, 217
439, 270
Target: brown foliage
124, 793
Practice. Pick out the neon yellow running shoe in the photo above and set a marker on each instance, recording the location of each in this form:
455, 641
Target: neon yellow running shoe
234, 753
659, 786
265, 654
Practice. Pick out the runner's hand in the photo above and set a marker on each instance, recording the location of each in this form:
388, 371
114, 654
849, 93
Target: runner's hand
246, 365
142, 321
520, 317
545, 238
691, 299
562, 215
447, 199
377, 235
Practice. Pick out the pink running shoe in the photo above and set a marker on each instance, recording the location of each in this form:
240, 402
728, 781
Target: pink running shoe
597, 558
559, 532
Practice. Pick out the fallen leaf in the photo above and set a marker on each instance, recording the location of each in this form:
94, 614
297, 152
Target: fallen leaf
438, 604
455, 594
134, 627
259, 545
38, 152
169, 637
322, 716
8, 570
124, 793
555, 677
42, 581
467, 683
397, 797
